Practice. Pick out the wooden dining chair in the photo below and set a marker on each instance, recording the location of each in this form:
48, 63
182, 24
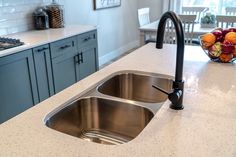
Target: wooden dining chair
198, 11
143, 16
188, 22
230, 10
225, 21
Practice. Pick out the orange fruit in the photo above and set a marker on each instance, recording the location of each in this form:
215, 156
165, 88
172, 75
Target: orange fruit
226, 57
234, 53
208, 39
231, 36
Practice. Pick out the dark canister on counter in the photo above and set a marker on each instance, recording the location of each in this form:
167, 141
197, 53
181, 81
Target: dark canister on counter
56, 15
41, 20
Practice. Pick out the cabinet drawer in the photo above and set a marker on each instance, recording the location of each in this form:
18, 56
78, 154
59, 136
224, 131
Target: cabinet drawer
62, 47
87, 39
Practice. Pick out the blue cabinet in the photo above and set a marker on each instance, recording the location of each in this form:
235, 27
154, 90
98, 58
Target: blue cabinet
42, 65
87, 54
73, 59
64, 55
64, 72
31, 76
18, 88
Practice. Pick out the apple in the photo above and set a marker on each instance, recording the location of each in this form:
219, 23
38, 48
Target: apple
227, 47
232, 29
218, 28
218, 34
225, 31
215, 50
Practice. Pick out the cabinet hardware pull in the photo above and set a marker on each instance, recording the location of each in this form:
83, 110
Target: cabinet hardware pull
86, 39
42, 49
64, 47
81, 58
76, 59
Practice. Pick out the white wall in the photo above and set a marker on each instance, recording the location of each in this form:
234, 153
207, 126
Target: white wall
117, 27
155, 7
16, 15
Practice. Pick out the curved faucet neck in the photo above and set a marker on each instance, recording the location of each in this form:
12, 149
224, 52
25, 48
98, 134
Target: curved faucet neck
176, 96
180, 40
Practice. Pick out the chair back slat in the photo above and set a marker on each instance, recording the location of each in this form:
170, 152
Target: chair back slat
188, 26
225, 21
195, 11
170, 35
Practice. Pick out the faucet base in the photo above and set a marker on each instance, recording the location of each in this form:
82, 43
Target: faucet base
174, 107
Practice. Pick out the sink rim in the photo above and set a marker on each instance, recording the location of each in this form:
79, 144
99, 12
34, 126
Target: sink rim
58, 110
144, 73
132, 72
92, 91
63, 106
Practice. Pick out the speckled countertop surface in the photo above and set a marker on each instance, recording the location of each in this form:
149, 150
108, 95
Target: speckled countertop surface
205, 128
36, 38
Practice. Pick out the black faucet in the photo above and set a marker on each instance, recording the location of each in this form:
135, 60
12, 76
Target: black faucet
176, 96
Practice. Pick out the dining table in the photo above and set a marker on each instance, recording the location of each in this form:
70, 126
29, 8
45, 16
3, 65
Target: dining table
151, 30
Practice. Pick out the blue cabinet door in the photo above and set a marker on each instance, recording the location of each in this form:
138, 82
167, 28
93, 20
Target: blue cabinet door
64, 72
64, 56
42, 64
88, 61
18, 89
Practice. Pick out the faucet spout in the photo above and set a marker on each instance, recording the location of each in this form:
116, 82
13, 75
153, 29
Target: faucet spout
176, 96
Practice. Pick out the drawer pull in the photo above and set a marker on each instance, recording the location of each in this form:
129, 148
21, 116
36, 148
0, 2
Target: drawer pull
42, 49
87, 39
64, 47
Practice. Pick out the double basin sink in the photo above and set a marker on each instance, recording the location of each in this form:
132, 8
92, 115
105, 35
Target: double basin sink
115, 111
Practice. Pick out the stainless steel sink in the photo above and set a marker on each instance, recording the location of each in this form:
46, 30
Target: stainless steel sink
137, 87
101, 120
114, 111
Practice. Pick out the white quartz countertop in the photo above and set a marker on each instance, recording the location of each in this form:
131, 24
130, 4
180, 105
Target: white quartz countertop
205, 128
36, 38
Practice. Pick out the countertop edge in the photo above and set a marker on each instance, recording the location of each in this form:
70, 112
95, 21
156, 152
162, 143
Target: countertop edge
48, 34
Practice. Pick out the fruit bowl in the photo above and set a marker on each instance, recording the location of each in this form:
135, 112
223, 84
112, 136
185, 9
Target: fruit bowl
220, 45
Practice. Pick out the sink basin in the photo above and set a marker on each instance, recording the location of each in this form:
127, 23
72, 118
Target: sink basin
101, 120
137, 87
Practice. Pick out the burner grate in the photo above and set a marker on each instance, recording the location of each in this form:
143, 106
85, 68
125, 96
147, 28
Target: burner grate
6, 43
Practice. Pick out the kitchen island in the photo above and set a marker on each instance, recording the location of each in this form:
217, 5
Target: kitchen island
205, 128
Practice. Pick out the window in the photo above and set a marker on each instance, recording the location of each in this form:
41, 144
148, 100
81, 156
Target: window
216, 6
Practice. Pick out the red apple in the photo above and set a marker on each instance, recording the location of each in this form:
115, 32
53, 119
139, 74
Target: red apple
225, 31
218, 28
227, 47
218, 34
232, 29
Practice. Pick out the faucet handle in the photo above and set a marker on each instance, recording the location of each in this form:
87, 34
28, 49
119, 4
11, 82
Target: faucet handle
160, 89
174, 96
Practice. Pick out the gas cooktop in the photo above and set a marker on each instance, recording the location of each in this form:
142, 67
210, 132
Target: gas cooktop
6, 43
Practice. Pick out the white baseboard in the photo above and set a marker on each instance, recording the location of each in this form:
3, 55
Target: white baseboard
112, 55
